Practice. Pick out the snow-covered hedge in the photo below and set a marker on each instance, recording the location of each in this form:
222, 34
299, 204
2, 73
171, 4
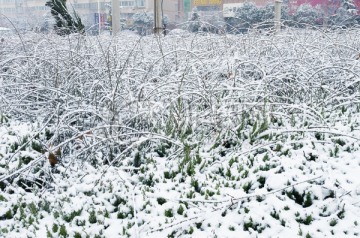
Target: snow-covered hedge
186, 135
305, 16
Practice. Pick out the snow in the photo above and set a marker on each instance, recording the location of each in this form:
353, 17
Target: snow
190, 135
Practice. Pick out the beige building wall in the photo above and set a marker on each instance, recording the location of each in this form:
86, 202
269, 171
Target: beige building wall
170, 8
27, 12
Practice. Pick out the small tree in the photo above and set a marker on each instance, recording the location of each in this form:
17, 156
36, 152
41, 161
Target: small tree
245, 16
307, 15
144, 22
195, 23
268, 15
65, 23
249, 14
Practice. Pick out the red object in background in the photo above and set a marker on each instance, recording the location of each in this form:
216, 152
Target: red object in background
102, 19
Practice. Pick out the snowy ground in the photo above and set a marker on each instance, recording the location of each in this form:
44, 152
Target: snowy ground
253, 135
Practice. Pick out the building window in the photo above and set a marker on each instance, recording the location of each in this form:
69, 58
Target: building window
127, 3
140, 3
93, 6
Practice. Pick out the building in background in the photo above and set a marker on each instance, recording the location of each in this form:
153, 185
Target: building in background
130, 7
34, 13
22, 13
28, 14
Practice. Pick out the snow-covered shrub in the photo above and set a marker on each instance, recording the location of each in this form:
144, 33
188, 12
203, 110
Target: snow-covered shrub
343, 18
268, 15
243, 135
246, 16
144, 22
249, 15
194, 21
307, 15
208, 23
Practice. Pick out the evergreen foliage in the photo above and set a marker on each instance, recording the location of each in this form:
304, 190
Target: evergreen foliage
65, 23
194, 21
307, 15
144, 22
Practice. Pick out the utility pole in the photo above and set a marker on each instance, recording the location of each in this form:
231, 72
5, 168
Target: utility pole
115, 17
99, 17
277, 15
157, 17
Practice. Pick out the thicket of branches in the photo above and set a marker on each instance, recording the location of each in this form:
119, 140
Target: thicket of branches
145, 90
134, 103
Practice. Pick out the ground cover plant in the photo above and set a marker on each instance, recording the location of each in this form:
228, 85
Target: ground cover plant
188, 135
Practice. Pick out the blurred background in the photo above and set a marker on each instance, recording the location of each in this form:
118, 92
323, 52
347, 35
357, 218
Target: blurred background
137, 15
